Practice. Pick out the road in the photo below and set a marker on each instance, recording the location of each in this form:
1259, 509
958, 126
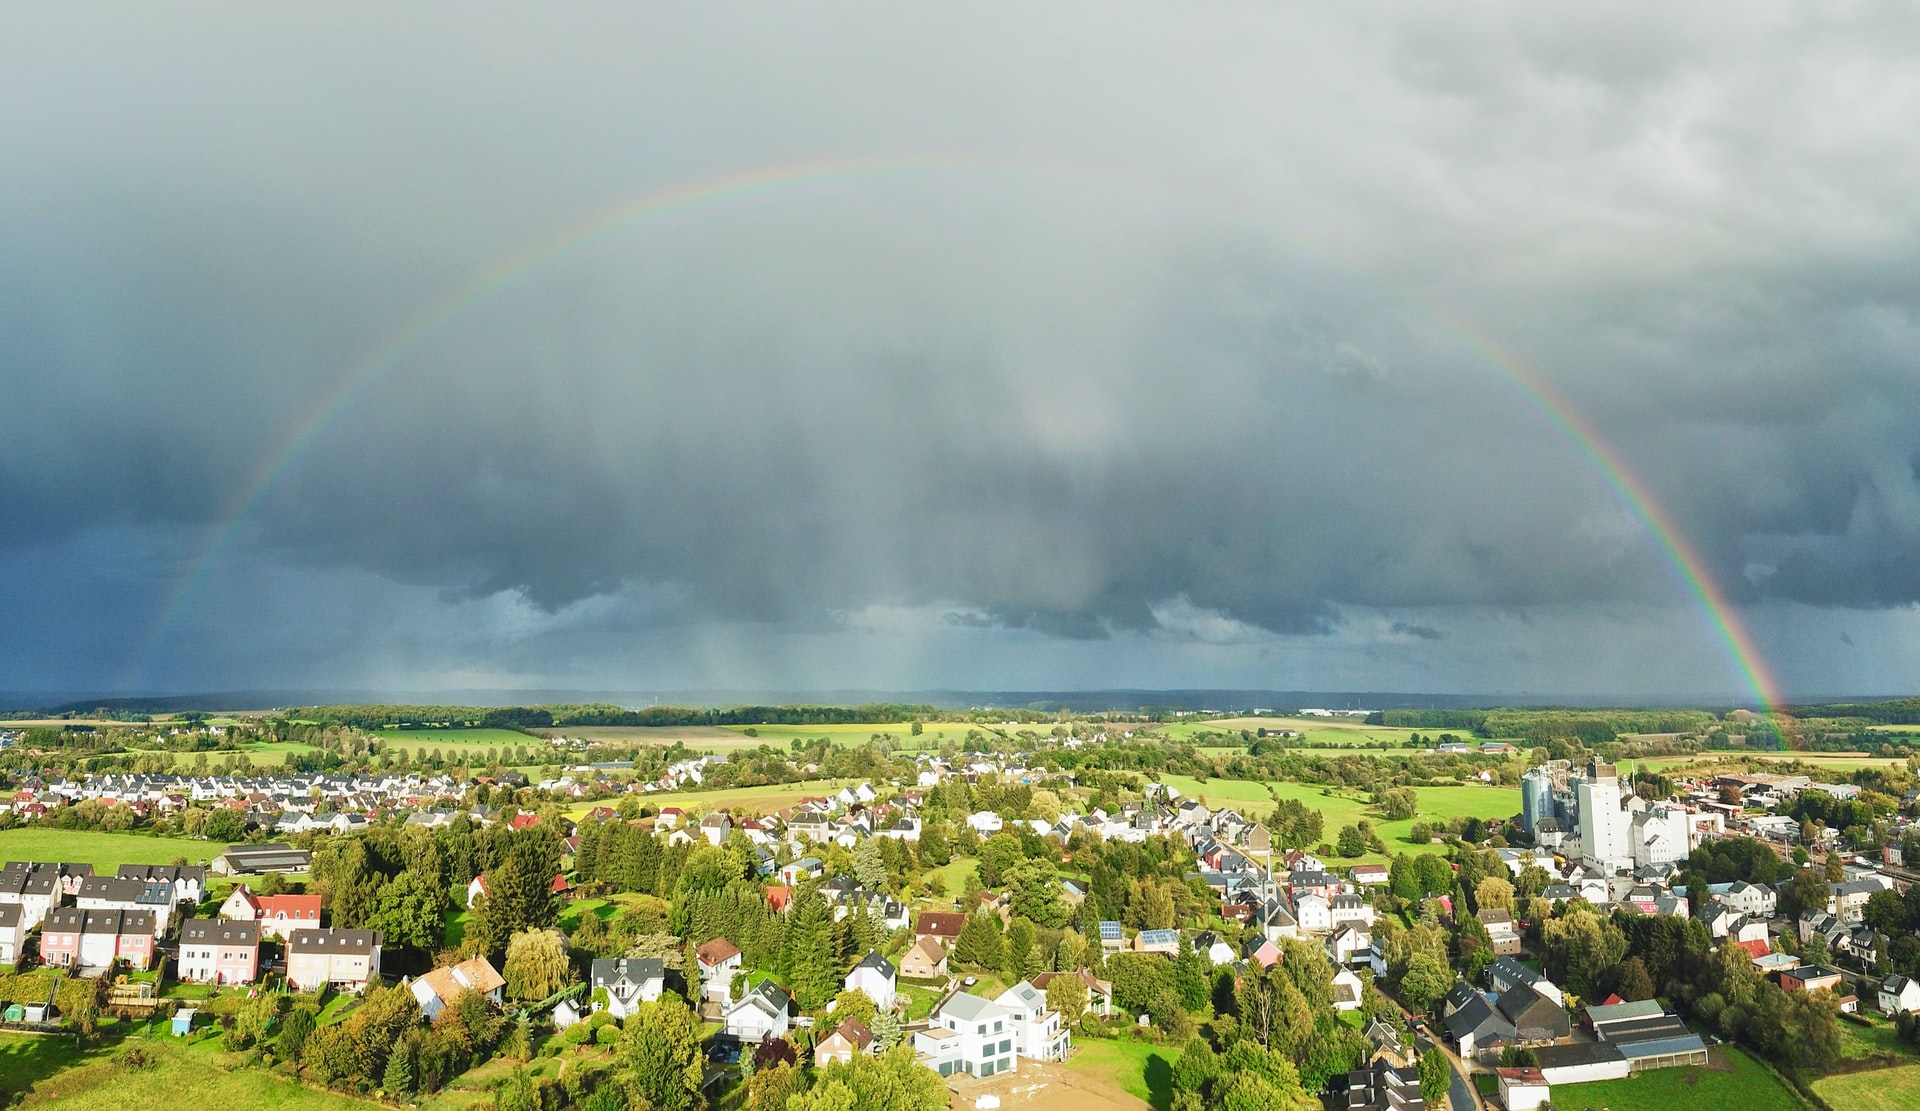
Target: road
1460, 1094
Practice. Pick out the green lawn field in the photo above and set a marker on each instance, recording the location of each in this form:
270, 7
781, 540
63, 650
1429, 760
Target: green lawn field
1743, 1084
463, 738
105, 851
1142, 1070
1896, 1089
49, 1071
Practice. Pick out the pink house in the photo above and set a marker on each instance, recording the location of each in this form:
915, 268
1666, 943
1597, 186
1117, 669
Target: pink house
279, 915
218, 951
75, 938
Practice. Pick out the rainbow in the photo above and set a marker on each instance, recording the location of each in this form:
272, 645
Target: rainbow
801, 178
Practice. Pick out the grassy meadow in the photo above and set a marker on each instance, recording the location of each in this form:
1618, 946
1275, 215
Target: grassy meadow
1739, 1083
105, 851
1142, 1070
50, 1071
763, 800
1328, 733
1343, 806
1895, 1089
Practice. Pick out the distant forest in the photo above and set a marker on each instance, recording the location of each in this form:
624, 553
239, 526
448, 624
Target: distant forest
560, 717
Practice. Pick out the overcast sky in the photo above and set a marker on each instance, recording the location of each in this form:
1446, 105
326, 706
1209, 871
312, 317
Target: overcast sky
1139, 354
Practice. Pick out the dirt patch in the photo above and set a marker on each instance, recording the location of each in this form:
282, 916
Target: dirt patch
1039, 1084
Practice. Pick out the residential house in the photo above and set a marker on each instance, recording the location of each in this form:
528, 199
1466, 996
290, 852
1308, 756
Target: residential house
1099, 992
1166, 942
436, 990
346, 959
942, 927
1500, 928
925, 959
74, 938
1504, 974
1812, 977
968, 1034
13, 934
620, 985
715, 827
33, 887
219, 951
759, 1014
1112, 937
279, 915
1382, 1085
114, 893
1472, 1022
719, 963
1899, 995
1312, 912
1348, 990
849, 1039
1213, 947
876, 977
1038, 1032
188, 880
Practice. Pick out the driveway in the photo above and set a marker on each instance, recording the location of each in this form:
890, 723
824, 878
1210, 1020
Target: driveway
1460, 1094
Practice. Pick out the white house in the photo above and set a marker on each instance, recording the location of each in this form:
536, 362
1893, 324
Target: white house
436, 989
1312, 913
719, 962
627, 984
1898, 995
13, 933
1037, 1032
1347, 990
984, 822
968, 1034
876, 977
760, 1014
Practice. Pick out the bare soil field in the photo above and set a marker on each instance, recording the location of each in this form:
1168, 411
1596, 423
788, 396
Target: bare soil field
1051, 1086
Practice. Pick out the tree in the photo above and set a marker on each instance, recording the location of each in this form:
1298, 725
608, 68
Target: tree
1067, 996
408, 912
1886, 911
1435, 1077
1397, 804
770, 1088
519, 891
854, 1004
979, 943
869, 867
398, 1079
659, 1055
1426, 979
893, 1082
1633, 983
1493, 893
536, 965
1352, 842
226, 825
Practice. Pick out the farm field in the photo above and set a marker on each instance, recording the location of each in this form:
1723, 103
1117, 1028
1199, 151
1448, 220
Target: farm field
1346, 806
444, 738
47, 1071
857, 733
1895, 1089
1742, 1084
763, 799
105, 851
1314, 732
1838, 761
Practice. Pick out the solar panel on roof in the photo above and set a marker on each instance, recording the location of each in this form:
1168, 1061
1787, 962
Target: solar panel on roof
1109, 931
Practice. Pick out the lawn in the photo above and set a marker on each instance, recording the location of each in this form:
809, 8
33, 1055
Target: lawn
431, 739
954, 875
45, 1070
105, 851
1142, 1070
1896, 1089
1223, 792
1342, 806
1744, 1085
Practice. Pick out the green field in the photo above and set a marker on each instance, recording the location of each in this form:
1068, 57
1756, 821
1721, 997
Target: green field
1896, 1089
760, 799
1342, 806
1144, 1071
1324, 733
1742, 1085
457, 738
37, 1071
105, 851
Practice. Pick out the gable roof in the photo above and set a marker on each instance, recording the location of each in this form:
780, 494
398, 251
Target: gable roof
716, 951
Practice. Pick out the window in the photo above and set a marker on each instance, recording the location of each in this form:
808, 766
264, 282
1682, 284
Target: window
996, 1026
1006, 1044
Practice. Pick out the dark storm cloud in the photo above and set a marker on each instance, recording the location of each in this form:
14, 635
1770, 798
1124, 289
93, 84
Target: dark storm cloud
1168, 354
